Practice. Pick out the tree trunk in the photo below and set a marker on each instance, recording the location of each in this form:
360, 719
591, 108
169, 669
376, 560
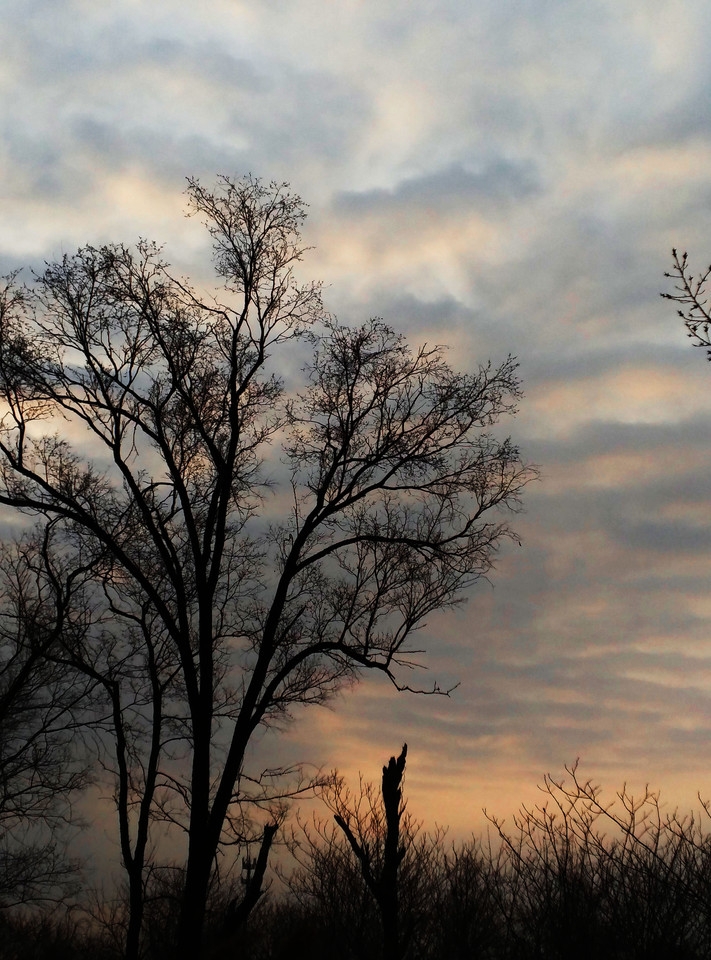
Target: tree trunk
384, 888
238, 913
135, 915
200, 851
393, 855
194, 903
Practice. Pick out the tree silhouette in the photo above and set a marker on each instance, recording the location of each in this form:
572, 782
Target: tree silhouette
137, 419
42, 704
372, 879
690, 293
383, 883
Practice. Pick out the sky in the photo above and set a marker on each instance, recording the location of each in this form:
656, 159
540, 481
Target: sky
501, 176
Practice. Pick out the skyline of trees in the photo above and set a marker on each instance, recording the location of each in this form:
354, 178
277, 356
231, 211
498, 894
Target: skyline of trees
604, 875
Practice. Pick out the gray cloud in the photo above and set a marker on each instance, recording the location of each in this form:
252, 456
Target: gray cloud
456, 189
559, 149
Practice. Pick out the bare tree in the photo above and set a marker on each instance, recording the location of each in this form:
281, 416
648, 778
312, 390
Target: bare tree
133, 669
382, 878
619, 877
42, 706
690, 292
372, 881
395, 481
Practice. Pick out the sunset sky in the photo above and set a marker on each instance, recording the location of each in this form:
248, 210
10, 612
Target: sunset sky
503, 176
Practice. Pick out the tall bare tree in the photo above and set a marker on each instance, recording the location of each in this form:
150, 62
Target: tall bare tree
138, 415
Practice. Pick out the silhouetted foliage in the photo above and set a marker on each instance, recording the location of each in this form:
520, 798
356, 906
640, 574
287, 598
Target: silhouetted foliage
576, 875
573, 876
622, 879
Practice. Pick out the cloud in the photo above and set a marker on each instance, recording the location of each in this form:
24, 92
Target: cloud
453, 191
498, 177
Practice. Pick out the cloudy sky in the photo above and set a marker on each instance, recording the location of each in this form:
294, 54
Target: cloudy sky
500, 176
